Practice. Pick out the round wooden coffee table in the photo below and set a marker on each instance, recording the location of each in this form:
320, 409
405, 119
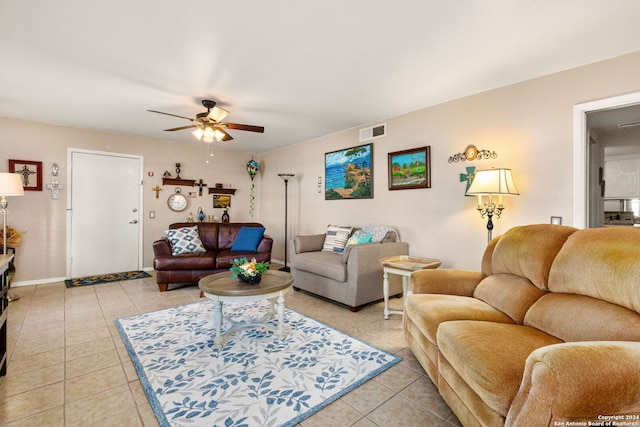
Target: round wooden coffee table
221, 288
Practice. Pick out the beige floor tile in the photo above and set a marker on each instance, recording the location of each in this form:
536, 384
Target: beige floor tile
399, 412
20, 364
94, 362
94, 382
129, 418
148, 417
424, 393
50, 418
398, 377
368, 396
98, 407
31, 402
19, 383
336, 414
88, 348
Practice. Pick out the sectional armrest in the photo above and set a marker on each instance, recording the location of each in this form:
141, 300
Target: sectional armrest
451, 282
372, 253
581, 381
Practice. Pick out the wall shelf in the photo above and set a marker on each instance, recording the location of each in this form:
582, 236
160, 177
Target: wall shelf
222, 191
174, 181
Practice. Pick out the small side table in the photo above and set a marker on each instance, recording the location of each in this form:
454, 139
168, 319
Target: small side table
403, 265
221, 288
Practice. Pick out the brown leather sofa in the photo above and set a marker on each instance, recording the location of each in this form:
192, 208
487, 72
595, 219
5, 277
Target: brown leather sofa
546, 334
217, 239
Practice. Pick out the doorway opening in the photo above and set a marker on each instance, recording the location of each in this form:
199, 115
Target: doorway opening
589, 154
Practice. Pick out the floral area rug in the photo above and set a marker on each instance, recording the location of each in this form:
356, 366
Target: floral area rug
256, 379
105, 278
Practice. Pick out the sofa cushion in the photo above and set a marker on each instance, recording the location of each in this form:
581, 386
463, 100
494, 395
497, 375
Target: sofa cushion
224, 258
194, 261
382, 233
428, 311
528, 251
185, 240
359, 237
336, 238
325, 264
600, 263
581, 318
490, 357
248, 239
510, 294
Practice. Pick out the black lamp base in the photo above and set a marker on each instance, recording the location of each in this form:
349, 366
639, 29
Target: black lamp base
287, 269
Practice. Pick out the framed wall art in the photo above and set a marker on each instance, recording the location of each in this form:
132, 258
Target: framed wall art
221, 201
410, 169
349, 173
31, 173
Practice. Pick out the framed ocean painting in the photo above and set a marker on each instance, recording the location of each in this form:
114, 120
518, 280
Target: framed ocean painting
349, 173
410, 169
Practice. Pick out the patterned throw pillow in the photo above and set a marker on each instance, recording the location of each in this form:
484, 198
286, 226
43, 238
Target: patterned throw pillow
359, 237
336, 239
185, 240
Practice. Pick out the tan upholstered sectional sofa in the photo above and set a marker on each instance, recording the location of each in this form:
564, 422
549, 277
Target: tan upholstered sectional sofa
546, 334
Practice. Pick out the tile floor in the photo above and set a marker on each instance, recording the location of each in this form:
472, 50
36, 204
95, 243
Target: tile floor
68, 366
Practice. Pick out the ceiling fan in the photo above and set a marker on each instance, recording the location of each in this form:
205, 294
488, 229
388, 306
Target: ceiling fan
209, 124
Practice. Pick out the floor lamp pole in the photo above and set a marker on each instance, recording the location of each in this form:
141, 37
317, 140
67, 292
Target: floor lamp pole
286, 177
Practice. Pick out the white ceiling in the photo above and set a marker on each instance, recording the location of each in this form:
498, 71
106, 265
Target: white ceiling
301, 69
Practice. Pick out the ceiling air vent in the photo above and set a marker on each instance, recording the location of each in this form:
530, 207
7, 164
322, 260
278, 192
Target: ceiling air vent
377, 131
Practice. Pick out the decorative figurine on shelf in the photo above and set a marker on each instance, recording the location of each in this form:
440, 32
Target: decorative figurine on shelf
178, 170
225, 215
190, 217
201, 215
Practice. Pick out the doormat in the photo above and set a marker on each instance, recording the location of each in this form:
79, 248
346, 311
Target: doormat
255, 379
105, 278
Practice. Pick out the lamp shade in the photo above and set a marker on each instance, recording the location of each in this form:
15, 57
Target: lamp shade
493, 181
11, 184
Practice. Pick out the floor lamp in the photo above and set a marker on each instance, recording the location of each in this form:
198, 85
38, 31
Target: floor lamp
286, 177
490, 183
10, 185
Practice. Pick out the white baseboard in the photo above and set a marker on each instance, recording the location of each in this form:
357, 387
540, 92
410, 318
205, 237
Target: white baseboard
37, 282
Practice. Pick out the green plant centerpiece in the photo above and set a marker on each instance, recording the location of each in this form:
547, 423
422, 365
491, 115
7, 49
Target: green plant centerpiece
248, 271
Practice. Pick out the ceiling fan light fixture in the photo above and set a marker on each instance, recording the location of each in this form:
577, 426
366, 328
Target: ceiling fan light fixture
208, 133
217, 114
198, 133
219, 134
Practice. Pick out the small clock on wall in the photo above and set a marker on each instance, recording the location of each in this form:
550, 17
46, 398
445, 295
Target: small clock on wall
177, 201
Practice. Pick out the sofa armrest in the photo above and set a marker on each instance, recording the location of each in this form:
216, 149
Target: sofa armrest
578, 380
310, 243
265, 245
162, 247
443, 281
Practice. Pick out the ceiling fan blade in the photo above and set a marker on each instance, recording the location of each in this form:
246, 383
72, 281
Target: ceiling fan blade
217, 114
225, 137
250, 128
168, 114
181, 128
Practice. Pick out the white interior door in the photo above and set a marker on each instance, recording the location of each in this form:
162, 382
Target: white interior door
103, 211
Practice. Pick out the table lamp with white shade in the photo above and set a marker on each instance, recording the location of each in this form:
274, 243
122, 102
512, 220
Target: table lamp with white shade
10, 185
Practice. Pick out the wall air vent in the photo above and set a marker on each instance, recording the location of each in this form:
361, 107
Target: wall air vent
629, 124
373, 132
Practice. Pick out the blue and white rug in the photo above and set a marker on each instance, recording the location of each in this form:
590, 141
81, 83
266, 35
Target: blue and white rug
255, 379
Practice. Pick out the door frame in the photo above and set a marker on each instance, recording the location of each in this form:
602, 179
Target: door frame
580, 151
140, 160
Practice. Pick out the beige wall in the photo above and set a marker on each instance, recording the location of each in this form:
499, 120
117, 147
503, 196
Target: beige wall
529, 125
42, 256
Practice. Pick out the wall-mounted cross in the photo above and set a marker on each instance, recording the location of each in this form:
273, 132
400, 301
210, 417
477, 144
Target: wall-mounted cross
55, 187
157, 190
200, 184
25, 172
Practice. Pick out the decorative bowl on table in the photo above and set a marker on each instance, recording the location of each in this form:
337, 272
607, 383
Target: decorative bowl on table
249, 272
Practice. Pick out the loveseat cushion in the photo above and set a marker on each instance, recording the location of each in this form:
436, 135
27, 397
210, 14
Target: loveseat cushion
490, 357
336, 238
196, 261
248, 239
428, 311
325, 264
510, 294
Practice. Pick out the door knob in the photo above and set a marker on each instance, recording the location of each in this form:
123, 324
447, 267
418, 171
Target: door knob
135, 221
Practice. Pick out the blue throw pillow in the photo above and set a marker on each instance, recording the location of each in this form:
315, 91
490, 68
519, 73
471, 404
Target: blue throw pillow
248, 239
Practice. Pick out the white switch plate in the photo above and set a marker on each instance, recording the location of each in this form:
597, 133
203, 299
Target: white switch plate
152, 214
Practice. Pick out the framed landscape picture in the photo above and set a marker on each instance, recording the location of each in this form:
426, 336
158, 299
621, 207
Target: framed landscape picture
410, 169
31, 173
221, 201
349, 173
